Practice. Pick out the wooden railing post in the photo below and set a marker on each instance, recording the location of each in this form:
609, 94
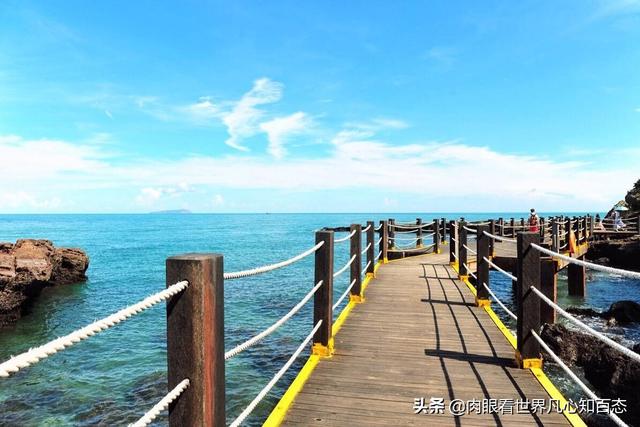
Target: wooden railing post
418, 232
568, 232
513, 227
638, 225
528, 273
384, 233
592, 226
555, 235
492, 230
463, 273
578, 230
542, 228
482, 266
452, 243
549, 287
323, 298
391, 232
356, 265
443, 232
436, 236
522, 225
371, 252
195, 340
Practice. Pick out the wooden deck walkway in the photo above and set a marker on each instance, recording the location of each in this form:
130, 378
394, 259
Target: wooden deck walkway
418, 334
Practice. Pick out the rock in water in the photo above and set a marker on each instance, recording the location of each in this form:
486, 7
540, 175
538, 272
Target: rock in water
28, 266
624, 311
613, 374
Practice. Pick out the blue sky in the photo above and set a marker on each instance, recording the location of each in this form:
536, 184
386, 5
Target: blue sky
290, 106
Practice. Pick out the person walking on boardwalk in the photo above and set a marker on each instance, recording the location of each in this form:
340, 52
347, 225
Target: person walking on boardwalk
534, 221
617, 221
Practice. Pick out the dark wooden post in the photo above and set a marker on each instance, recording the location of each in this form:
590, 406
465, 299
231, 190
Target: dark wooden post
578, 230
419, 232
452, 242
638, 225
549, 287
555, 235
501, 226
528, 352
522, 227
542, 229
443, 232
323, 298
513, 227
195, 339
482, 266
371, 252
462, 251
492, 230
568, 232
391, 232
592, 226
576, 280
436, 236
356, 265
384, 233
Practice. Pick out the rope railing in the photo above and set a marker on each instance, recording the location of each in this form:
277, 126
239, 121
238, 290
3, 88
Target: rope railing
344, 268
364, 270
365, 229
378, 242
407, 231
405, 240
34, 355
597, 267
162, 404
470, 230
509, 275
252, 341
271, 267
364, 251
574, 377
379, 255
470, 250
499, 238
344, 294
626, 351
469, 271
409, 249
244, 414
496, 299
344, 239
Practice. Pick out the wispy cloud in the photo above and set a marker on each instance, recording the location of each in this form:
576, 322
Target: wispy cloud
280, 129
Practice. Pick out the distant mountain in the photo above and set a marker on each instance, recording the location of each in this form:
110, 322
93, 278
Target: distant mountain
172, 211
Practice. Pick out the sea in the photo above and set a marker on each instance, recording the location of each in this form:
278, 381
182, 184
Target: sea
113, 378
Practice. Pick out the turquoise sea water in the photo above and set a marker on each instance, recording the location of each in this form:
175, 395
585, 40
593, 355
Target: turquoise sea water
114, 377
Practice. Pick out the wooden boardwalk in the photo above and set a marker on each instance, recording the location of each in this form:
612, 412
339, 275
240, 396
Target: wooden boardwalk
418, 334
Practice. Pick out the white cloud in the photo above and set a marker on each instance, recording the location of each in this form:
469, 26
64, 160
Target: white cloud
21, 199
280, 129
150, 195
202, 111
108, 114
242, 120
218, 200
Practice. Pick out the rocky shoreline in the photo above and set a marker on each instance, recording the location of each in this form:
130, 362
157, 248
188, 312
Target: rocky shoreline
28, 266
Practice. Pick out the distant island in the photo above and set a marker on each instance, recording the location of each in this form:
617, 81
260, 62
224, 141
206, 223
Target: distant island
172, 211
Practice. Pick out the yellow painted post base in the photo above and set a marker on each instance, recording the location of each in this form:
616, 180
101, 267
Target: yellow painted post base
534, 363
371, 275
482, 302
386, 260
463, 277
356, 299
323, 350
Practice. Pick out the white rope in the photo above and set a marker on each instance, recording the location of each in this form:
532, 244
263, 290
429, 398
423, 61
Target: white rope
343, 269
271, 267
364, 230
407, 232
504, 307
470, 230
364, 251
574, 377
249, 343
344, 239
502, 239
603, 268
378, 242
379, 227
378, 256
453, 239
275, 379
343, 296
626, 351
408, 241
454, 255
509, 275
364, 270
470, 250
469, 271
161, 405
401, 249
426, 236
36, 354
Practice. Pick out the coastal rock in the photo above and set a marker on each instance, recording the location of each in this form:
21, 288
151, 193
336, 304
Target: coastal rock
620, 311
621, 253
611, 373
633, 199
28, 266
